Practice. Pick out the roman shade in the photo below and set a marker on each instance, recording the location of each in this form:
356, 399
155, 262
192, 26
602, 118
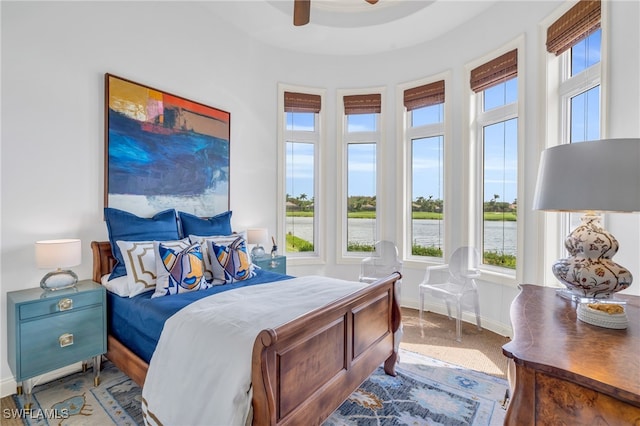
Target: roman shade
575, 25
301, 102
425, 95
494, 72
363, 104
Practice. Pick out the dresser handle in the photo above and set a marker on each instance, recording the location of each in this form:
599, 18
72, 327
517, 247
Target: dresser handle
65, 304
65, 340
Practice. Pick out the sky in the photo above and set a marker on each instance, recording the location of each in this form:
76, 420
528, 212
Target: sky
500, 141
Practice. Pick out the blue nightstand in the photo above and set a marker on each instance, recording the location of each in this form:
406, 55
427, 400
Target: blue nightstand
48, 330
276, 264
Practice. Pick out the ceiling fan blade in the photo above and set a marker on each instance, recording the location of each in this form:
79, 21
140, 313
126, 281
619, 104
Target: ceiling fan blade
371, 1
301, 12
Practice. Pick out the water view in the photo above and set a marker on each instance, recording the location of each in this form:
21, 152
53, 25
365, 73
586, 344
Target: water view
499, 236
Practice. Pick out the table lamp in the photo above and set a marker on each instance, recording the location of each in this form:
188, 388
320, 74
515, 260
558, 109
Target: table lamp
257, 236
58, 254
590, 177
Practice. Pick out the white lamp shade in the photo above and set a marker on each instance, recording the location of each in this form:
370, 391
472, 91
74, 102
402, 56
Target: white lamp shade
599, 175
257, 235
58, 253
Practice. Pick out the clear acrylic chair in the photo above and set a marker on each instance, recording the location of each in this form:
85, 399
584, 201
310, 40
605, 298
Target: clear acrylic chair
382, 262
459, 288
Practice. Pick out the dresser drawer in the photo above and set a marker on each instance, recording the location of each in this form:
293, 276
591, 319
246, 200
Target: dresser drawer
61, 339
67, 302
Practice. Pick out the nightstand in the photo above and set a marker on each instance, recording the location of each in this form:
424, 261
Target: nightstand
276, 264
48, 330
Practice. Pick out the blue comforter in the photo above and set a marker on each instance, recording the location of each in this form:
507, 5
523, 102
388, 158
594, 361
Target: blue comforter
138, 321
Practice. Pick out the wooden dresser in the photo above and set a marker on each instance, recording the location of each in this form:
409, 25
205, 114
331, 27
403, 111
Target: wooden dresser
570, 372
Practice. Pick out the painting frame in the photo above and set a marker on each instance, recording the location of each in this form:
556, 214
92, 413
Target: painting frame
163, 151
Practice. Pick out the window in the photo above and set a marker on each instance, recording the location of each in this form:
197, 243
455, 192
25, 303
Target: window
361, 134
584, 106
425, 138
301, 137
576, 39
496, 87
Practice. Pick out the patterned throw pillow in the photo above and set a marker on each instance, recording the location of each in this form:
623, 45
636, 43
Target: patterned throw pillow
230, 260
214, 273
140, 263
179, 271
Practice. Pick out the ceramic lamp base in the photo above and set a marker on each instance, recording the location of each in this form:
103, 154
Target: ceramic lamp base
58, 280
589, 271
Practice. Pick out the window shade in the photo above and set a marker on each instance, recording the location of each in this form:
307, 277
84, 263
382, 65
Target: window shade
301, 102
494, 72
423, 96
575, 25
363, 104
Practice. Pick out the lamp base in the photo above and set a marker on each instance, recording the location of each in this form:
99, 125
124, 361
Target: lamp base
58, 280
257, 251
589, 271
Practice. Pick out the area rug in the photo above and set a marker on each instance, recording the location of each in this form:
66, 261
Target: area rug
425, 392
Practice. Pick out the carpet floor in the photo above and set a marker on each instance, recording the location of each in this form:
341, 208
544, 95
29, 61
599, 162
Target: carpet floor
440, 381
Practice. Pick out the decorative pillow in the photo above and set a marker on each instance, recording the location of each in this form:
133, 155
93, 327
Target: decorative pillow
125, 226
215, 276
230, 260
140, 263
179, 271
219, 224
119, 286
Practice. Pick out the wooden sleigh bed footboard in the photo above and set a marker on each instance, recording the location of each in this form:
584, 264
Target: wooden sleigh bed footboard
303, 370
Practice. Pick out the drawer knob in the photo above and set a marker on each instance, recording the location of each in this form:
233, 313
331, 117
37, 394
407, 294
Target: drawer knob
65, 339
65, 304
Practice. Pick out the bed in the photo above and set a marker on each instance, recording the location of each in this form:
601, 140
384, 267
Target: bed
351, 337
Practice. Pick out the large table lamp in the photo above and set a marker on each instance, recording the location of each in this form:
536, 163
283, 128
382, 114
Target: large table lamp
590, 177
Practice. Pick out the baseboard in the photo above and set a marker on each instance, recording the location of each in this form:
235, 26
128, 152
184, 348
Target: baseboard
8, 386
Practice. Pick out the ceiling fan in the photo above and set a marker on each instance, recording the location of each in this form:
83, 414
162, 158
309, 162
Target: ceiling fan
302, 9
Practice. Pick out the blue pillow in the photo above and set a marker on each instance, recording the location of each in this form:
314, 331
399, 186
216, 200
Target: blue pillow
219, 224
125, 226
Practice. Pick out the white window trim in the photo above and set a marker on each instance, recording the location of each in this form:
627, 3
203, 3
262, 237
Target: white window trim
404, 186
318, 256
489, 272
342, 256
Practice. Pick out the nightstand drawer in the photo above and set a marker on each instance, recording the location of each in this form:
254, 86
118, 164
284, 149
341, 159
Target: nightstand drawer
67, 302
60, 339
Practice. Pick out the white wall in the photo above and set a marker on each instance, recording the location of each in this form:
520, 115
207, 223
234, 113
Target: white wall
55, 54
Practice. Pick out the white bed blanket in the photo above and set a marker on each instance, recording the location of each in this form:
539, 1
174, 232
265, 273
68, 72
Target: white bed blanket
200, 372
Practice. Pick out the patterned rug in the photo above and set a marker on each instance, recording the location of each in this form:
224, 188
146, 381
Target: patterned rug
425, 392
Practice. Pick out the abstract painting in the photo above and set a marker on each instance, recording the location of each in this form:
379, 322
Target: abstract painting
163, 151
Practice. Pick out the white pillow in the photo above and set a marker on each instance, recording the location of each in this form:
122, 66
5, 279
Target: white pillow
140, 263
119, 286
178, 270
214, 274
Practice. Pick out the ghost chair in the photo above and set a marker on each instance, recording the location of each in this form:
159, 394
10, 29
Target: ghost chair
458, 286
382, 262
